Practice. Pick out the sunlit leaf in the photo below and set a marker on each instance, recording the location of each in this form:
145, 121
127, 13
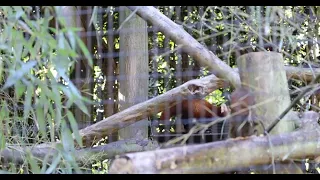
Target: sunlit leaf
1, 69
66, 137
33, 163
74, 127
27, 43
2, 141
85, 51
78, 99
17, 51
17, 75
18, 11
26, 26
67, 53
13, 168
54, 164
27, 102
58, 106
61, 40
52, 127
19, 89
61, 63
45, 162
41, 120
93, 19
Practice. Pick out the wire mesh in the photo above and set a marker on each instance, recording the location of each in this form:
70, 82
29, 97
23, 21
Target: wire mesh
170, 66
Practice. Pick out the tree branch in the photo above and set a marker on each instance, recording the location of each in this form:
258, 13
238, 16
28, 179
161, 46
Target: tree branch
305, 74
200, 53
199, 87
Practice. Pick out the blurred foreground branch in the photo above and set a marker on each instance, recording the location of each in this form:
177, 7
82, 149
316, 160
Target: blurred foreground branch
16, 154
225, 156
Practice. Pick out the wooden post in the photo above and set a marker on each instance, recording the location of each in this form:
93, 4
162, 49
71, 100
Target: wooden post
264, 74
133, 62
82, 74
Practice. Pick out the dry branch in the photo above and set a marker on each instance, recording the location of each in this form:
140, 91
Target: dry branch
199, 87
188, 43
16, 154
305, 74
224, 156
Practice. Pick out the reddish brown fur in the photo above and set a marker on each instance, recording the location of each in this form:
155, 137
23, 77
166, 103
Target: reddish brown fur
198, 111
241, 100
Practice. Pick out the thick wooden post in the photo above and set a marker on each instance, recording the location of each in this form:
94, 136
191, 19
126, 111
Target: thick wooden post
264, 74
134, 77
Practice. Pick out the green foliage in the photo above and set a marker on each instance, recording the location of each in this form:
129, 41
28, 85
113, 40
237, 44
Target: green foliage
36, 61
35, 65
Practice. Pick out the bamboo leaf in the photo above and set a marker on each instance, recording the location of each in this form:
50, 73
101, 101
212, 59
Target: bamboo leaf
27, 102
20, 89
85, 51
17, 75
74, 127
54, 164
41, 120
34, 166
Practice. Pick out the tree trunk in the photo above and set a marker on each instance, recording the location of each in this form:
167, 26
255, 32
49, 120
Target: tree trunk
133, 69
